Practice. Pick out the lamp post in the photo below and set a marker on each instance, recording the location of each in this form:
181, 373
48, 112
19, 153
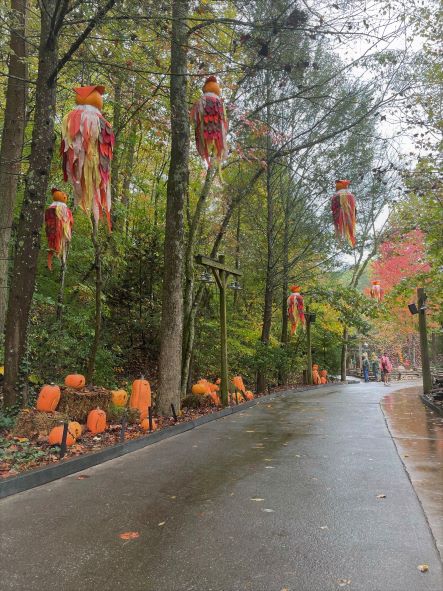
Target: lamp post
424, 348
310, 319
221, 273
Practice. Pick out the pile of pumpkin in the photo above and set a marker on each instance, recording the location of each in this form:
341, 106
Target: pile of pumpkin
319, 376
49, 398
238, 394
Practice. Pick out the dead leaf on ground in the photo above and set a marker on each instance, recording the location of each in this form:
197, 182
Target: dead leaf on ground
343, 582
161, 523
129, 535
268, 510
83, 477
423, 568
257, 499
381, 496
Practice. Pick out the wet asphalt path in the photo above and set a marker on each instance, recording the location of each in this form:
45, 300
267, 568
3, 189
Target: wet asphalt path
282, 496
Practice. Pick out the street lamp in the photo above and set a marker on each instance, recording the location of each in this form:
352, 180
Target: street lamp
221, 273
421, 311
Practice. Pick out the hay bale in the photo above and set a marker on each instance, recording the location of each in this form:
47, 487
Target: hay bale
116, 413
77, 404
31, 421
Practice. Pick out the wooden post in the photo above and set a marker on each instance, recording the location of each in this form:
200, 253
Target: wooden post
221, 273
425, 365
308, 345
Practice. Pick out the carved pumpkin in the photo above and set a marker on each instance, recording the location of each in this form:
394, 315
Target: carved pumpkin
96, 422
249, 395
238, 384
119, 397
56, 435
75, 380
75, 429
48, 398
140, 397
145, 425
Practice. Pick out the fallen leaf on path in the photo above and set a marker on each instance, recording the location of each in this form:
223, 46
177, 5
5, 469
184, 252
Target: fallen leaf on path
173, 497
250, 431
269, 467
324, 527
423, 568
161, 523
83, 477
381, 496
257, 499
343, 582
268, 510
129, 535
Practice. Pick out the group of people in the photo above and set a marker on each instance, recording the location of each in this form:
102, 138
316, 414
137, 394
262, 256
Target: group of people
382, 365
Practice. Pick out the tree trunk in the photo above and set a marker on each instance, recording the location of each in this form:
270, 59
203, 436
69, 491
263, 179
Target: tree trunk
170, 363
190, 309
344, 354
284, 337
269, 286
98, 304
12, 142
32, 212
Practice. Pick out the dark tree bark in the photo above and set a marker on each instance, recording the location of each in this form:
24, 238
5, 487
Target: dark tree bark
170, 364
344, 354
98, 304
12, 142
31, 216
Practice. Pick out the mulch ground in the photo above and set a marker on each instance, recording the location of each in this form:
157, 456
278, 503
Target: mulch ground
19, 454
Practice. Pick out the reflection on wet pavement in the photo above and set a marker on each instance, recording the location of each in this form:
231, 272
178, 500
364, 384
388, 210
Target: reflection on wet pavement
418, 434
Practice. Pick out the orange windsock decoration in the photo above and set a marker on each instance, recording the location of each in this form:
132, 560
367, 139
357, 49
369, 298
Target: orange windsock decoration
58, 226
211, 124
343, 211
86, 148
376, 291
296, 310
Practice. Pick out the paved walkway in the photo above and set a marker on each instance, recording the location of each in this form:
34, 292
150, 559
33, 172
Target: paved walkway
282, 496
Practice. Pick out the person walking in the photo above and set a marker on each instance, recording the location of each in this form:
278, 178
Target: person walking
365, 366
386, 368
375, 363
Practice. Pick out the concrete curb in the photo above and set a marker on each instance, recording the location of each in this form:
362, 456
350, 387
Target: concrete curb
431, 404
39, 476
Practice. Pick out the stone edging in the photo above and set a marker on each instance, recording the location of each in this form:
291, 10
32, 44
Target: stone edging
431, 404
45, 474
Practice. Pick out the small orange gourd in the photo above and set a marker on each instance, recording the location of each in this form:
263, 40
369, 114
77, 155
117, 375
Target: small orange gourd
145, 425
96, 422
75, 380
75, 429
140, 397
119, 397
48, 398
56, 435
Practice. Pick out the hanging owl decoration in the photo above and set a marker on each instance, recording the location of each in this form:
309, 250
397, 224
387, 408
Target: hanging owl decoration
296, 311
376, 291
87, 144
343, 211
58, 226
211, 124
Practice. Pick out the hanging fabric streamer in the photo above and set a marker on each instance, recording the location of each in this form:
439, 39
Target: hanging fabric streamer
376, 291
296, 310
87, 145
343, 211
58, 226
211, 124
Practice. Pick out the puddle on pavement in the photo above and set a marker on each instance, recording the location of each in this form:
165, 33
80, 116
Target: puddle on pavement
418, 434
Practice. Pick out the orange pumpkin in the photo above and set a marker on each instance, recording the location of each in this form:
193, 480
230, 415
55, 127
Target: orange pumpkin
215, 398
249, 395
145, 425
56, 435
96, 422
315, 375
75, 380
211, 85
59, 196
75, 429
324, 376
119, 397
90, 95
140, 397
48, 398
238, 384
200, 388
